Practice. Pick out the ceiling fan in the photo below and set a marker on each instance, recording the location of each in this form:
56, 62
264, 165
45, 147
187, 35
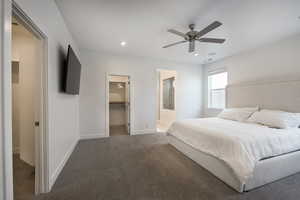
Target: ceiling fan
192, 36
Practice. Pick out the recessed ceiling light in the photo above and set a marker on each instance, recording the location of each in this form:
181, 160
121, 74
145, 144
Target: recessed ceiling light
196, 54
212, 54
123, 43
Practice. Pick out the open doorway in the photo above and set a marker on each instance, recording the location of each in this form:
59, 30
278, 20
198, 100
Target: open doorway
166, 109
29, 141
119, 105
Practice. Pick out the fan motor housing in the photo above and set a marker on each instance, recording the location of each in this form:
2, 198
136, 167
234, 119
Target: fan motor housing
191, 35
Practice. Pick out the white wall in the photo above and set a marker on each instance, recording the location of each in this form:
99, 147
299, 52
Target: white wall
63, 109
143, 76
276, 61
26, 49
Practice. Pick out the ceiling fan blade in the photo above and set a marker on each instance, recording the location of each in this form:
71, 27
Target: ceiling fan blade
209, 28
212, 40
192, 46
169, 45
177, 33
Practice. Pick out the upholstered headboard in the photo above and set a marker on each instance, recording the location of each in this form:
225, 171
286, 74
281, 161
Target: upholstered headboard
281, 95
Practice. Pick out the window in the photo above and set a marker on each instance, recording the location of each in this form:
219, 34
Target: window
168, 93
216, 90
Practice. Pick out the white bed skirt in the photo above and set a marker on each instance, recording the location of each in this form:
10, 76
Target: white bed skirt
266, 171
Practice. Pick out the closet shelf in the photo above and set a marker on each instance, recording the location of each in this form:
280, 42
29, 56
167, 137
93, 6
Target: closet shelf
117, 102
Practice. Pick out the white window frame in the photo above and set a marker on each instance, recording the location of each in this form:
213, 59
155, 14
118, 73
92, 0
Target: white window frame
209, 93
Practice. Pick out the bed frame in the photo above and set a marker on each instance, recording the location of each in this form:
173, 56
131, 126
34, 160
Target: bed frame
282, 95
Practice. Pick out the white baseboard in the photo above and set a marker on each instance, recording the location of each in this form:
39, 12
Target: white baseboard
145, 131
92, 136
61, 165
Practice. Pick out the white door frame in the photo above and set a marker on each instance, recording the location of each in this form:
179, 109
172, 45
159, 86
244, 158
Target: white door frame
41, 140
107, 102
6, 136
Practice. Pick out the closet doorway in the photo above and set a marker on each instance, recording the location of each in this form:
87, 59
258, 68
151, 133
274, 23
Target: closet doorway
118, 105
166, 94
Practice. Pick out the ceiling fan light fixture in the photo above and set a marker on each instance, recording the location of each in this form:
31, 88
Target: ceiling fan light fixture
196, 36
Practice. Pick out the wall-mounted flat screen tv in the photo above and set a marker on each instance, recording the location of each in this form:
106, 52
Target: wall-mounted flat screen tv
73, 71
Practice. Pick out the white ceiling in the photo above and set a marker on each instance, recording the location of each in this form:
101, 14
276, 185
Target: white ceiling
102, 24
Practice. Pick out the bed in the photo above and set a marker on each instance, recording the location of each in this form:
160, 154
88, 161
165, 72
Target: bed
244, 155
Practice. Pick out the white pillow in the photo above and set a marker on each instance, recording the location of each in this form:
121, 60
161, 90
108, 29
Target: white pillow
237, 114
276, 119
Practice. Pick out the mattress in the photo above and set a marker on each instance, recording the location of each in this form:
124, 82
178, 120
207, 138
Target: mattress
240, 145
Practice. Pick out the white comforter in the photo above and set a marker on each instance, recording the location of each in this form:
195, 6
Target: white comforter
240, 145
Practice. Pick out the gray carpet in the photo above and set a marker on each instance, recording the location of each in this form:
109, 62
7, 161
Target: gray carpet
23, 179
146, 168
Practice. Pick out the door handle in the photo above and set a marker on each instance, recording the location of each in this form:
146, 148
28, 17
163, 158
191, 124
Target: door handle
37, 124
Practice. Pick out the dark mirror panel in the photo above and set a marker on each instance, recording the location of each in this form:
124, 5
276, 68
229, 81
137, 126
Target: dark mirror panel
168, 93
